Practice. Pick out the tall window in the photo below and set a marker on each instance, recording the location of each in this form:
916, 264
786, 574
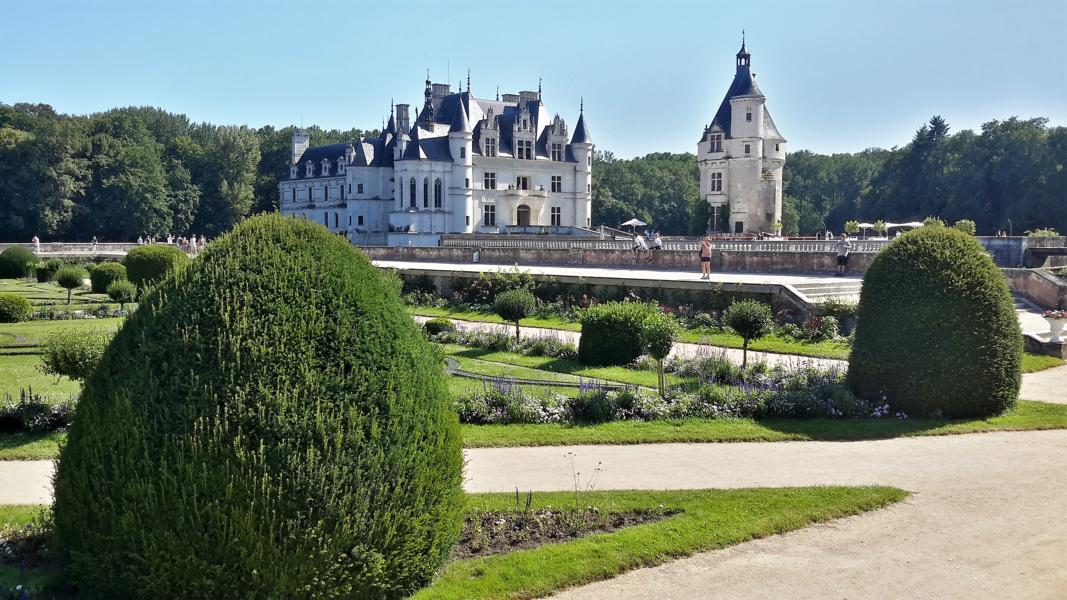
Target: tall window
716, 143
524, 149
489, 215
426, 193
335, 216
557, 152
748, 148
748, 115
716, 218
490, 181
557, 183
463, 153
716, 182
359, 188
437, 194
490, 146
411, 189
359, 220
557, 216
522, 182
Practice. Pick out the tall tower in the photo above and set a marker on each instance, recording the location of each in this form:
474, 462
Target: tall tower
582, 148
460, 194
741, 155
301, 142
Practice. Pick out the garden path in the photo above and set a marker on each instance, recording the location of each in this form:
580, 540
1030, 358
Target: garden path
986, 518
1049, 385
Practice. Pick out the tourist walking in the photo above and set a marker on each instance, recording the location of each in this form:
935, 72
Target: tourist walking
843, 248
705, 258
94, 243
639, 246
36, 244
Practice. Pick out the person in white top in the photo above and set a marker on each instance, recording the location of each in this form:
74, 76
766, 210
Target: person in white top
36, 244
192, 244
640, 245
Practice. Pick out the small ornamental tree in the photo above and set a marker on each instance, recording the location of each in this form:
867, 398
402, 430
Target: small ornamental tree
933, 222
104, 274
658, 333
966, 226
936, 332
852, 227
269, 423
879, 227
14, 308
46, 271
16, 262
123, 292
515, 305
73, 354
751, 320
71, 278
146, 265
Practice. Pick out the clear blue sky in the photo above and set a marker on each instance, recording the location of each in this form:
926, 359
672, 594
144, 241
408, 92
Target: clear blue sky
839, 75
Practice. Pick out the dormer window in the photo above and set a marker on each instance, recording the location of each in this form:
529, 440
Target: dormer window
325, 167
490, 146
748, 115
557, 152
341, 166
310, 170
292, 171
525, 125
715, 142
524, 149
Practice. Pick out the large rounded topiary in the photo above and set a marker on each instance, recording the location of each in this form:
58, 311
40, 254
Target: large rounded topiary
269, 424
14, 308
146, 265
611, 332
16, 262
937, 331
104, 274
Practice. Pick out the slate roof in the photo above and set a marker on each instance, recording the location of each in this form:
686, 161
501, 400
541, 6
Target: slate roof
581, 134
743, 85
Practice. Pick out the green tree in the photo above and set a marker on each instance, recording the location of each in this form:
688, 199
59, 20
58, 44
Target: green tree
73, 353
658, 334
123, 292
966, 226
515, 305
751, 320
71, 278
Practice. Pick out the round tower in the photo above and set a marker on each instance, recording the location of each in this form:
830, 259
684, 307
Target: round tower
459, 199
582, 149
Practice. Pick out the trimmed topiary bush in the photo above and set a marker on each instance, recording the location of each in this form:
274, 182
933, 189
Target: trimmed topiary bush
46, 271
73, 353
123, 292
14, 308
438, 325
146, 265
937, 333
269, 424
611, 332
71, 278
16, 262
104, 274
515, 305
658, 333
751, 320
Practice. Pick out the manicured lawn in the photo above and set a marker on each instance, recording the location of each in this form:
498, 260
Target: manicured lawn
1027, 415
772, 343
23, 371
36, 332
706, 520
30, 446
488, 317
1033, 363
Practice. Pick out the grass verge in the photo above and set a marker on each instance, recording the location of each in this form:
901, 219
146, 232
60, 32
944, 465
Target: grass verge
707, 520
1026, 416
488, 317
1032, 363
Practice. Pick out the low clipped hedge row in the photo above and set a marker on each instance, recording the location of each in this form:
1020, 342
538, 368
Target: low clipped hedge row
937, 333
275, 426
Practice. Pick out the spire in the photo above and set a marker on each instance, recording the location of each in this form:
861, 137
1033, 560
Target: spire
498, 93
460, 124
581, 134
744, 59
468, 81
426, 115
538, 88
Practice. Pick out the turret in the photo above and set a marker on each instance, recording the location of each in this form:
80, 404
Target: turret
301, 142
461, 193
582, 148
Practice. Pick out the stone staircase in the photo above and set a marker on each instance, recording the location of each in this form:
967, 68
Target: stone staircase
847, 290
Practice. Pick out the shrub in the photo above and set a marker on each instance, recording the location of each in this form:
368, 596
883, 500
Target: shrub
104, 275
46, 271
502, 402
146, 265
852, 227
591, 407
14, 308
123, 292
966, 226
933, 222
261, 440
33, 413
73, 354
658, 333
937, 332
1044, 232
514, 305
819, 328
438, 325
71, 278
611, 332
703, 321
16, 262
751, 320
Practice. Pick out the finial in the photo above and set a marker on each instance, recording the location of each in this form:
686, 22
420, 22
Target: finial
391, 107
427, 76
498, 93
581, 106
538, 88
742, 37
468, 81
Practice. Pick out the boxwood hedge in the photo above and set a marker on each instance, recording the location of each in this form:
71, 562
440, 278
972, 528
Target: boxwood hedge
16, 262
611, 332
146, 265
269, 424
937, 333
104, 274
14, 308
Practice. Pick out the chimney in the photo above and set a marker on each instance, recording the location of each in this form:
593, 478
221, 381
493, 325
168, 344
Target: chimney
440, 90
509, 98
301, 142
527, 96
403, 123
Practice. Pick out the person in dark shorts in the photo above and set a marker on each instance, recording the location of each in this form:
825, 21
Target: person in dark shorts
705, 258
844, 246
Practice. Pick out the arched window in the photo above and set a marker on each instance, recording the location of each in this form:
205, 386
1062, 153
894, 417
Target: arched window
425, 192
522, 216
437, 194
411, 200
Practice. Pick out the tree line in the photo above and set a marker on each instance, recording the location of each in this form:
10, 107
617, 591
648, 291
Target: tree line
134, 171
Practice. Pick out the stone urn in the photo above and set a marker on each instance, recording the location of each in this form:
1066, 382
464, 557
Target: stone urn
1055, 329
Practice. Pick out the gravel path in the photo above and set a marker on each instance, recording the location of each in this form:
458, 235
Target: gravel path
1049, 385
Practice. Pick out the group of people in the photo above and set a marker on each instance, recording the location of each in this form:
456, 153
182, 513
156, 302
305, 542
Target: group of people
187, 244
645, 244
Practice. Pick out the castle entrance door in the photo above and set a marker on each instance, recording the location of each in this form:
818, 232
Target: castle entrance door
522, 216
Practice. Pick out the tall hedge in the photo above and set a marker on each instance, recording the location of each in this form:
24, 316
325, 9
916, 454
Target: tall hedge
937, 332
16, 262
146, 265
104, 274
611, 332
269, 424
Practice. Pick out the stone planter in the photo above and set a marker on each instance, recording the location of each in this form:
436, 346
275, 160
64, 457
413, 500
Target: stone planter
1055, 329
